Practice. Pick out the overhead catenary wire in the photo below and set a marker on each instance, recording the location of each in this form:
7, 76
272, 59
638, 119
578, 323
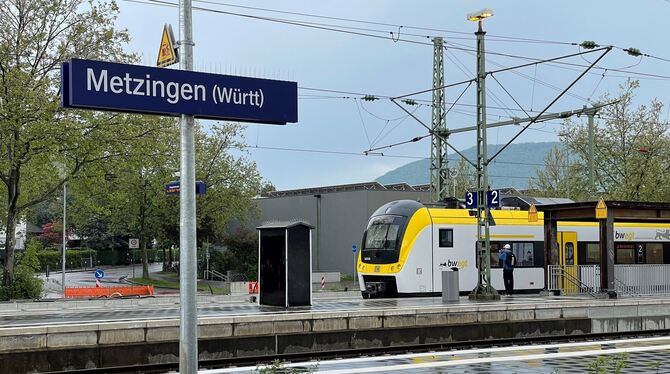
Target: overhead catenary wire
340, 29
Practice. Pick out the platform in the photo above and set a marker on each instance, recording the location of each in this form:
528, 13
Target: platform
139, 334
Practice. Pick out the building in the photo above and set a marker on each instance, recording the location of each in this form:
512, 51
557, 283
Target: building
23, 231
339, 215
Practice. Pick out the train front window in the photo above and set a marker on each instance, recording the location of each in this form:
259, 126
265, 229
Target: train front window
383, 233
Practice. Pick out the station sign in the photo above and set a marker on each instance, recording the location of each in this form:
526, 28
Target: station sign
99, 85
492, 199
172, 188
471, 200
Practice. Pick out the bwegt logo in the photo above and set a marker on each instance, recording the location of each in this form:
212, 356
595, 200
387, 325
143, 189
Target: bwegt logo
461, 264
624, 235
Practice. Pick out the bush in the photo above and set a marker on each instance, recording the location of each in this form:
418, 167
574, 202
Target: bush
25, 285
75, 258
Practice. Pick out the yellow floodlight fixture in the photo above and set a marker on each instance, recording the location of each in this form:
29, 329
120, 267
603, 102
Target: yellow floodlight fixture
480, 15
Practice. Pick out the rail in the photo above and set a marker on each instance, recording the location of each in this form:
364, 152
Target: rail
211, 274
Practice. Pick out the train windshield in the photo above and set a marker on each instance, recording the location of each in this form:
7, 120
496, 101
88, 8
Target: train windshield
382, 233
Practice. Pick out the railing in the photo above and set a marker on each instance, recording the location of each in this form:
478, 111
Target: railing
631, 279
211, 274
643, 279
574, 280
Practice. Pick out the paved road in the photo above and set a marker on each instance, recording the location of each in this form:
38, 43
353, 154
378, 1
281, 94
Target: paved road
85, 278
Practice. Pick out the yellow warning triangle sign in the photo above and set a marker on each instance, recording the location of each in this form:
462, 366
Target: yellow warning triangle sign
601, 209
167, 54
532, 213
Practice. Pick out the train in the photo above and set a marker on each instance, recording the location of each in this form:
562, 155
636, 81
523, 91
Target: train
406, 246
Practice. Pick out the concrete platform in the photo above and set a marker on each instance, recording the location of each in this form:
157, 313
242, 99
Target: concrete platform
241, 329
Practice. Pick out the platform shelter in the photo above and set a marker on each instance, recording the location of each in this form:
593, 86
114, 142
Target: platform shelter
606, 213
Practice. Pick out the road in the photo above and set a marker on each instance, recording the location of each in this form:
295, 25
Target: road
85, 278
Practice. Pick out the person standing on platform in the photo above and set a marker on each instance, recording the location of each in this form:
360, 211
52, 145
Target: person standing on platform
508, 261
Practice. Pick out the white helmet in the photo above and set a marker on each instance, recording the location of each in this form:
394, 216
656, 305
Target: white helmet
507, 246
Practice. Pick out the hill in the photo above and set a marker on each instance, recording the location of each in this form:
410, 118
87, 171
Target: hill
512, 168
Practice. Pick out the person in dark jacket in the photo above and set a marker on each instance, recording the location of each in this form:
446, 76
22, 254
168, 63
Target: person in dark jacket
508, 261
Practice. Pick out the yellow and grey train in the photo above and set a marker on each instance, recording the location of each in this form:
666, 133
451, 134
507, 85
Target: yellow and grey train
407, 245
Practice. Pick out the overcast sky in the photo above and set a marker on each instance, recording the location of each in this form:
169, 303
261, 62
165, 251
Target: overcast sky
326, 146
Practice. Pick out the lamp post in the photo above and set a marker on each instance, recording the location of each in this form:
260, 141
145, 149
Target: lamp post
484, 290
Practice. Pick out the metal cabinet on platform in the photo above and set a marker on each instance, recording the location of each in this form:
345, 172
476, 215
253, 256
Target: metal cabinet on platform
285, 264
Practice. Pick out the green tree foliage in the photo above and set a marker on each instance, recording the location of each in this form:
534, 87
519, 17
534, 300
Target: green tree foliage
37, 137
631, 153
465, 177
25, 285
241, 254
560, 177
121, 198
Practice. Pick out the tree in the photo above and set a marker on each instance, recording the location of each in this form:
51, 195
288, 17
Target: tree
36, 136
560, 177
125, 193
465, 177
632, 157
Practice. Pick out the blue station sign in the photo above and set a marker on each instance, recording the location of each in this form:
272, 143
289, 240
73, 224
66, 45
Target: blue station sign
173, 188
98, 85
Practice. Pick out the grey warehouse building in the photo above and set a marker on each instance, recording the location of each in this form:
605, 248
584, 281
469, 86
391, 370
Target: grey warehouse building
339, 215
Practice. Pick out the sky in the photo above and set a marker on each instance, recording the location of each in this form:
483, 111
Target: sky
335, 70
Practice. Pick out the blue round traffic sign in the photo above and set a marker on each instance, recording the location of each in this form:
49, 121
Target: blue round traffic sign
353, 248
99, 273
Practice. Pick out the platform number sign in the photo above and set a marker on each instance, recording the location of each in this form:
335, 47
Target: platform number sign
493, 198
471, 200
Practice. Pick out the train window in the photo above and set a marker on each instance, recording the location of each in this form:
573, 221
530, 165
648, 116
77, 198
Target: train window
383, 233
495, 251
654, 253
446, 238
625, 254
524, 254
569, 254
593, 252
639, 251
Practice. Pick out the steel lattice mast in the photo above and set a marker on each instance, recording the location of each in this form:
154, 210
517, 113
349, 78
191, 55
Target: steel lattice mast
439, 171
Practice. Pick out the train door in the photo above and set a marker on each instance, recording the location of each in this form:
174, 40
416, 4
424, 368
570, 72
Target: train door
567, 259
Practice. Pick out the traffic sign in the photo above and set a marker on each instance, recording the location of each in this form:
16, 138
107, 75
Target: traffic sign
99, 274
471, 200
99, 85
133, 243
167, 53
172, 188
207, 254
493, 198
354, 248
601, 209
532, 213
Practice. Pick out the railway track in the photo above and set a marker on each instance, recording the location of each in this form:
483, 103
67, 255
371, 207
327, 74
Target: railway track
353, 353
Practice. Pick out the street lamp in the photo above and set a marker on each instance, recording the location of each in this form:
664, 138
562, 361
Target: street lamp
484, 289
